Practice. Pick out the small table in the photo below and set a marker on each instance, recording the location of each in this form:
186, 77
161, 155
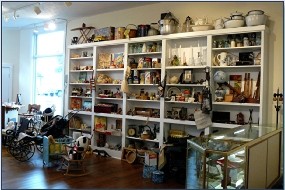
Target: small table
84, 33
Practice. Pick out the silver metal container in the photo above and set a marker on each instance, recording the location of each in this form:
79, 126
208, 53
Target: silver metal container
167, 26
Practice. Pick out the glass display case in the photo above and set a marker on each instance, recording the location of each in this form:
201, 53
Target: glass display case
236, 158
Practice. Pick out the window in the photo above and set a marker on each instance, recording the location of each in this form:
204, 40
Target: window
49, 70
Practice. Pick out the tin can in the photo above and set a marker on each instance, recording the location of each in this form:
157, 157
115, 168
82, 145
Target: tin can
119, 33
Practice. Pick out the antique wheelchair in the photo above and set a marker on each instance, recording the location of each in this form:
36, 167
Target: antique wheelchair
22, 141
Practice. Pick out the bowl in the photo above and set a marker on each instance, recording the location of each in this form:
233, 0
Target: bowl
254, 20
202, 27
255, 12
234, 23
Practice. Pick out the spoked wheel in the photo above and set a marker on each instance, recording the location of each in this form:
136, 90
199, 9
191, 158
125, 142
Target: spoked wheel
26, 151
40, 148
13, 147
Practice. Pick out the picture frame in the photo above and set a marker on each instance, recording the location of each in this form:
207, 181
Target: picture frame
176, 112
87, 105
82, 77
100, 123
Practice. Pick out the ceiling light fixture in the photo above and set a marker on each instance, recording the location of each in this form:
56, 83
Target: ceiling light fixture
68, 3
50, 25
37, 10
15, 16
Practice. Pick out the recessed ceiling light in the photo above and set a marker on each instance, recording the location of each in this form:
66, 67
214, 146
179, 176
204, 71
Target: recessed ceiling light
4, 9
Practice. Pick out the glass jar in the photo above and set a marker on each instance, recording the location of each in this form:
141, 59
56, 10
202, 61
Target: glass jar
158, 49
131, 48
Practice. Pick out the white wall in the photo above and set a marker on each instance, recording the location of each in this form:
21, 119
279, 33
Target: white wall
213, 10
10, 55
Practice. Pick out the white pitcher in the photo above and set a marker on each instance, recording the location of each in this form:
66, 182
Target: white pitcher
222, 58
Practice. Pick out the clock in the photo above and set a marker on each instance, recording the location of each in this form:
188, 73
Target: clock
132, 132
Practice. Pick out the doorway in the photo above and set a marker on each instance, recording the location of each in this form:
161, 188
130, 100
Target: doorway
7, 83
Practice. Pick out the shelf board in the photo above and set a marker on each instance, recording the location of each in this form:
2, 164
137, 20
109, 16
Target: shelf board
75, 83
82, 130
237, 67
177, 121
146, 53
82, 112
106, 70
141, 118
86, 97
107, 84
113, 115
185, 67
236, 104
118, 99
143, 84
146, 69
180, 102
186, 85
81, 58
139, 100
79, 71
113, 153
237, 48
148, 140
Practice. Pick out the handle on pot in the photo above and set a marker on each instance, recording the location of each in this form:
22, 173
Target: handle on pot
131, 25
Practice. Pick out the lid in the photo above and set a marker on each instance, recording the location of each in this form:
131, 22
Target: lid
255, 12
236, 14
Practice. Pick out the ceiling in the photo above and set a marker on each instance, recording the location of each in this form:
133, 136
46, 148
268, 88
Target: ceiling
26, 16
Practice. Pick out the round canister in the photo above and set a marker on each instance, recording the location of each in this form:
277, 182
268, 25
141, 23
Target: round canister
119, 33
148, 170
157, 176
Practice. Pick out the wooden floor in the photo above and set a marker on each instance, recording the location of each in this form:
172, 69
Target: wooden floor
104, 173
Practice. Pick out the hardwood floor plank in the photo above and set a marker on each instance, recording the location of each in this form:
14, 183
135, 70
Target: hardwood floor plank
104, 173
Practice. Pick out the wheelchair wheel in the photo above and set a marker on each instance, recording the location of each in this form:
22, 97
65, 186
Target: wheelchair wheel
26, 151
13, 147
40, 148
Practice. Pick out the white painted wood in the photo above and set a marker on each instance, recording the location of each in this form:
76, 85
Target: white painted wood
187, 39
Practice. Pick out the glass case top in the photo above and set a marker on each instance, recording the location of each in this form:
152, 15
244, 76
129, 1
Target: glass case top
230, 138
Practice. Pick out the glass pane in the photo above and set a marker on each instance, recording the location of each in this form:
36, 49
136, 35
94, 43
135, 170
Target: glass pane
50, 43
49, 82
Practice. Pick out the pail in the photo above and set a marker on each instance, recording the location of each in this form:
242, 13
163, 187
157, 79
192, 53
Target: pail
132, 32
157, 176
148, 170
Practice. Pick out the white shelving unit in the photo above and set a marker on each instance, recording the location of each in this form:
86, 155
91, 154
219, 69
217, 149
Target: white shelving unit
180, 42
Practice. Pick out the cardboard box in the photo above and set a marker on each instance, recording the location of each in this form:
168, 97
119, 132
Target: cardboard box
108, 32
150, 158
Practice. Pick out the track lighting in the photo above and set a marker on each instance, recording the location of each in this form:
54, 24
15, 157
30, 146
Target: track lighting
15, 16
68, 3
37, 10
